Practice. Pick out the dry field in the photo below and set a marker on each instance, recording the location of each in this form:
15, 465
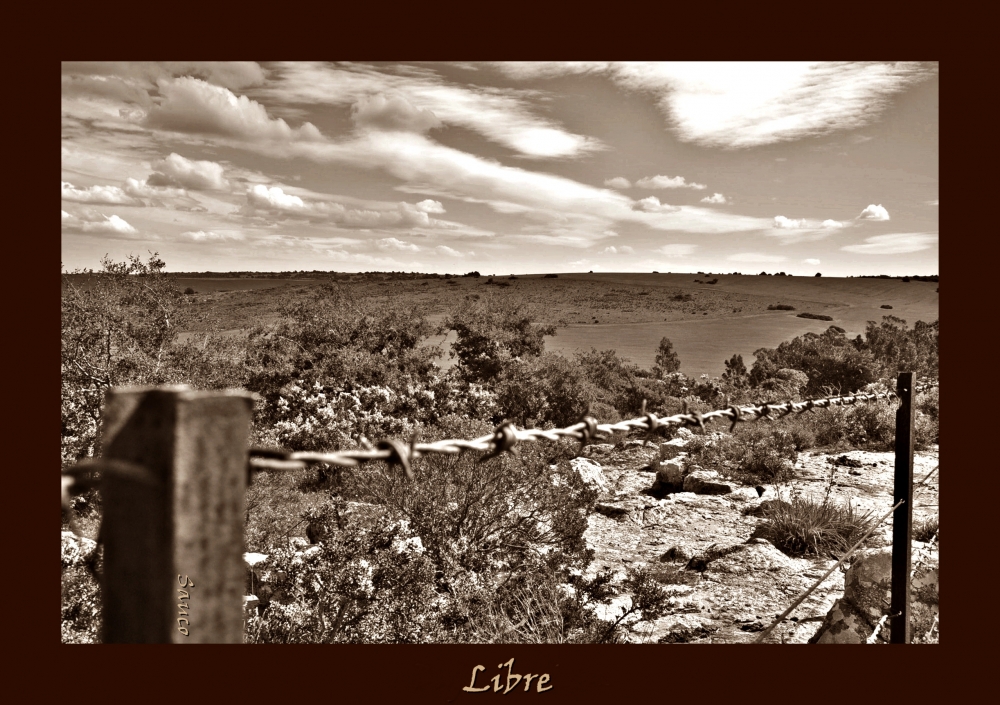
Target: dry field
707, 323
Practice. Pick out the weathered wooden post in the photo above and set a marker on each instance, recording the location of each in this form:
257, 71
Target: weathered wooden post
902, 518
173, 522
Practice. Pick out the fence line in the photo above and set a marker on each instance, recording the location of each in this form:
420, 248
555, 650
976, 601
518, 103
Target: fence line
152, 458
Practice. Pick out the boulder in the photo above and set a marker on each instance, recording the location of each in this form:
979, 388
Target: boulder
867, 594
743, 494
591, 473
77, 550
706, 482
669, 473
671, 449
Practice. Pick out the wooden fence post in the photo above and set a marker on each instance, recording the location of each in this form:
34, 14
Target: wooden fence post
902, 518
174, 518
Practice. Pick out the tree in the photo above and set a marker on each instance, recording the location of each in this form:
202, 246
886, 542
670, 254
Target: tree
666, 359
491, 331
736, 371
115, 332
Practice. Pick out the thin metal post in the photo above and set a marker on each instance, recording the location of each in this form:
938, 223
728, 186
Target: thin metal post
173, 525
902, 518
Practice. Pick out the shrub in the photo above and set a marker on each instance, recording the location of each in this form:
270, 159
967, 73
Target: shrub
818, 274
817, 316
780, 307
885, 306
829, 360
752, 454
666, 361
548, 389
925, 530
551, 276
189, 291
806, 527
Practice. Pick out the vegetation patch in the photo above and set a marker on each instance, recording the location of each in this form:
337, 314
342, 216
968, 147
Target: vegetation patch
817, 316
783, 307
806, 527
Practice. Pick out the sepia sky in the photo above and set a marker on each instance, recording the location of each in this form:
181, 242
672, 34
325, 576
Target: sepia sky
503, 168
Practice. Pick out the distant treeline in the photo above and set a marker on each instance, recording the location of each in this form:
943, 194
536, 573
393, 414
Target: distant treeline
915, 277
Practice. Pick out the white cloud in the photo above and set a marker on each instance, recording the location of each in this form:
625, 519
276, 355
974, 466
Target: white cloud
746, 104
894, 244
616, 250
500, 115
873, 212
261, 196
211, 236
393, 113
714, 198
111, 195
429, 206
192, 105
781, 221
391, 243
445, 250
832, 224
175, 170
652, 205
755, 257
667, 182
142, 189
92, 222
676, 250
230, 74
811, 260
618, 182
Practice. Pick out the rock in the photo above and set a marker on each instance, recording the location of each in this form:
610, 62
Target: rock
684, 433
714, 552
754, 557
599, 449
612, 511
743, 494
763, 507
675, 554
669, 473
706, 482
591, 473
867, 593
298, 543
671, 449
77, 550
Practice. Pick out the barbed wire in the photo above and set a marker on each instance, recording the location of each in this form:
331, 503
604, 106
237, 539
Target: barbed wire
507, 435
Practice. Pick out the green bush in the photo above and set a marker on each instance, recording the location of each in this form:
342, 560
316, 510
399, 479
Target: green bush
806, 527
752, 454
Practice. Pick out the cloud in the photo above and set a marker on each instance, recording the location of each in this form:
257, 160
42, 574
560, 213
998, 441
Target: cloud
676, 250
781, 221
616, 250
714, 198
261, 196
747, 104
618, 182
142, 189
445, 250
233, 75
175, 170
667, 182
500, 115
652, 205
391, 243
811, 260
192, 105
833, 224
110, 195
92, 222
210, 236
755, 257
394, 113
873, 212
429, 206
893, 244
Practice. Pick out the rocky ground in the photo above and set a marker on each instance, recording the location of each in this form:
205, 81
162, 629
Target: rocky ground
734, 586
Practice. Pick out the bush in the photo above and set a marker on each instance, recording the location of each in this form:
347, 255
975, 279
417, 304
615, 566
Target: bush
830, 361
753, 454
817, 316
926, 530
781, 307
548, 389
805, 527
551, 276
885, 306
189, 291
667, 361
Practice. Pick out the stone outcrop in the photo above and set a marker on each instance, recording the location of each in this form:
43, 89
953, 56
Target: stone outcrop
707, 482
591, 473
867, 594
76, 550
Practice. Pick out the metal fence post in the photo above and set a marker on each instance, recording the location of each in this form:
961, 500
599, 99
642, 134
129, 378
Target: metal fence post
173, 526
902, 518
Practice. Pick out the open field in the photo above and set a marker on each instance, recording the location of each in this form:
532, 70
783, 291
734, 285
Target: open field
627, 312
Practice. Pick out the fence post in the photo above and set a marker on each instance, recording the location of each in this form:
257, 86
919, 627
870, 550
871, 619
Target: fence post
173, 527
902, 518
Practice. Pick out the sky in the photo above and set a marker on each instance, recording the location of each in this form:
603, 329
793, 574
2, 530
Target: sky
505, 168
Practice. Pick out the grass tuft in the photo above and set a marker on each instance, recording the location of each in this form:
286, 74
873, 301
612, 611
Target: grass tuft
806, 527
